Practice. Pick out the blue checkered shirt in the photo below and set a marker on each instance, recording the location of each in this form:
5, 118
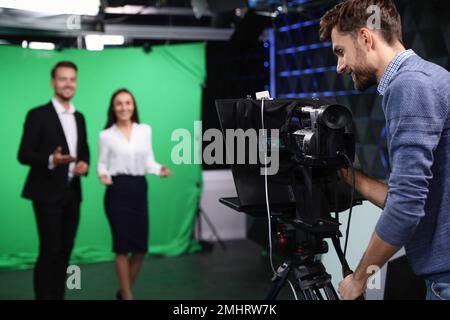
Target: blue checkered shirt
392, 69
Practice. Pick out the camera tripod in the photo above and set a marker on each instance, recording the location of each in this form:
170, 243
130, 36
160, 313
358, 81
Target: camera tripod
310, 277
205, 244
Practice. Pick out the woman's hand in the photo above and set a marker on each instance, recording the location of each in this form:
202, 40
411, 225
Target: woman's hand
165, 172
105, 180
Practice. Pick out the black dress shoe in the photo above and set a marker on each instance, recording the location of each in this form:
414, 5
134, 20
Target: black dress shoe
118, 296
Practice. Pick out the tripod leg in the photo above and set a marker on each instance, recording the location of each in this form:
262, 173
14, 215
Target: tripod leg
330, 292
274, 290
278, 281
213, 229
307, 293
302, 295
314, 282
318, 294
311, 294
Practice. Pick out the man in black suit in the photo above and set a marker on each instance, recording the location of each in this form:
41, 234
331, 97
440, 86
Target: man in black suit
54, 145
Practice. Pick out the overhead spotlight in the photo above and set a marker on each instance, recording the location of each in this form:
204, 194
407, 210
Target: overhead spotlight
41, 45
80, 7
96, 42
112, 40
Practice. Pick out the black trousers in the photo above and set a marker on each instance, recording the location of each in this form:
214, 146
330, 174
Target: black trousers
57, 226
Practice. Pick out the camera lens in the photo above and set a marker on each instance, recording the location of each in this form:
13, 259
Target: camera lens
335, 116
332, 117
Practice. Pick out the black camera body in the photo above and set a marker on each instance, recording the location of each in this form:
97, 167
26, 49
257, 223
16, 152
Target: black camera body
317, 136
312, 138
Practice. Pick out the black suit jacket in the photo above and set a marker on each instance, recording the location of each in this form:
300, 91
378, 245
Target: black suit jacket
42, 134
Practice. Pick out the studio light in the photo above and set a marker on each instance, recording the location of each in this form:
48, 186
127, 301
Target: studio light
79, 7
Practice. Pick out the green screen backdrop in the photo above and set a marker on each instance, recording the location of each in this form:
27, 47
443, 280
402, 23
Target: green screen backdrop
167, 84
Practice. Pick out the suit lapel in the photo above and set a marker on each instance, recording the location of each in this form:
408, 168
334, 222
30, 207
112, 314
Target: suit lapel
80, 133
56, 123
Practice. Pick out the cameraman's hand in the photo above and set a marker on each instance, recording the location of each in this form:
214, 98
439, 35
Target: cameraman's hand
351, 288
346, 175
60, 159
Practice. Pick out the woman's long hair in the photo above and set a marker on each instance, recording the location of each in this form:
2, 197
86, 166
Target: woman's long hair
112, 118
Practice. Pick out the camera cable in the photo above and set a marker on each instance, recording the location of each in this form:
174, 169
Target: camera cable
266, 187
352, 197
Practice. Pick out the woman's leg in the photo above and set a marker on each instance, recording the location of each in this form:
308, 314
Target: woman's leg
135, 265
123, 273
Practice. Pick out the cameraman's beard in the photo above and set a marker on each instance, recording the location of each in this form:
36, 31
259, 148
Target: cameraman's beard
365, 76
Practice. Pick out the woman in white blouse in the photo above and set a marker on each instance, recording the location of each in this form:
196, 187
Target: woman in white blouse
125, 156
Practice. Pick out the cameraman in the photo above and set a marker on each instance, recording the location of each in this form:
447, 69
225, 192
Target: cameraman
416, 102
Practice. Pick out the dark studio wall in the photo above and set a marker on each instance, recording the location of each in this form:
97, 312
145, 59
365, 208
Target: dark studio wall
234, 70
306, 66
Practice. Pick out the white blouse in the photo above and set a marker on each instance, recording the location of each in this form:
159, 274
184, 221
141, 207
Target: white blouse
135, 157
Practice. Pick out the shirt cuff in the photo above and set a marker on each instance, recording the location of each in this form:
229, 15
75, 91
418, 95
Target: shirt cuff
103, 172
396, 228
154, 168
51, 164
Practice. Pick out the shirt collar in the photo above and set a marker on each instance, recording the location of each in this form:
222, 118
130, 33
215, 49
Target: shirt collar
60, 109
392, 69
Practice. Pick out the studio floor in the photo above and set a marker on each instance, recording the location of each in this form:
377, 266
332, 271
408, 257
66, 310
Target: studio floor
240, 272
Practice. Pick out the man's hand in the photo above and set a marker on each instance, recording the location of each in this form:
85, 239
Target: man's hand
165, 172
105, 180
81, 168
350, 288
60, 159
346, 175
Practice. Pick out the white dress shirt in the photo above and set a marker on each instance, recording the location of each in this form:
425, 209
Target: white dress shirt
69, 125
118, 155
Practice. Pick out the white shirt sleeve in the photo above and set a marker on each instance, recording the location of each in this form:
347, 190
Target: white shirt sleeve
103, 155
151, 165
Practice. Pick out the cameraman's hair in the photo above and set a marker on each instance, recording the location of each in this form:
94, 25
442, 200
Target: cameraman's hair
63, 64
350, 16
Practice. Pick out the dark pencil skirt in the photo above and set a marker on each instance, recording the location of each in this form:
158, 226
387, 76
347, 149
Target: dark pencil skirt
126, 207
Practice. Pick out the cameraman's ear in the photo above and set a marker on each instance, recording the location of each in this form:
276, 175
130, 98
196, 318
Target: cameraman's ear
366, 38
